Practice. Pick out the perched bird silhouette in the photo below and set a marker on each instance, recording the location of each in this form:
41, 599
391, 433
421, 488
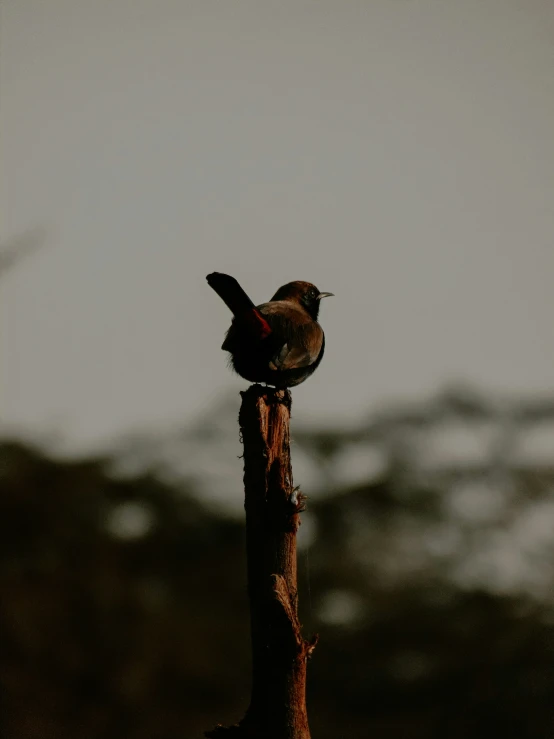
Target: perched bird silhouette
280, 342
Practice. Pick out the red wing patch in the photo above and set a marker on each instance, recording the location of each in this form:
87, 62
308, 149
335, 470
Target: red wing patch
257, 323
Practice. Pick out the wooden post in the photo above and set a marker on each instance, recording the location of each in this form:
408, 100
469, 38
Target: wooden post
279, 653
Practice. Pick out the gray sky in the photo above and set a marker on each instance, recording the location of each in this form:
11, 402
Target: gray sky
398, 153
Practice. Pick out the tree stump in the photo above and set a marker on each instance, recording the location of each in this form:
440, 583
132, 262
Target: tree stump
277, 707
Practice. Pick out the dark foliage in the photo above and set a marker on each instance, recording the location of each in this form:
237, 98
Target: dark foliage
124, 610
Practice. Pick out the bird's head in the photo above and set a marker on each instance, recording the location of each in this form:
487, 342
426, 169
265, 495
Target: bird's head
304, 293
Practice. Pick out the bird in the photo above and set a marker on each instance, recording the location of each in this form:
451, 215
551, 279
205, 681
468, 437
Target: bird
279, 343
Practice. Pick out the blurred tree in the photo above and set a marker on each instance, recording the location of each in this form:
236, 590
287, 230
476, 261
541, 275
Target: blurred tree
430, 561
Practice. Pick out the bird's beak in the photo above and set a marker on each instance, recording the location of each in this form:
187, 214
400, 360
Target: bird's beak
325, 295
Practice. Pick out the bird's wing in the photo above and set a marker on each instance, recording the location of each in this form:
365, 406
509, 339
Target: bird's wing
300, 350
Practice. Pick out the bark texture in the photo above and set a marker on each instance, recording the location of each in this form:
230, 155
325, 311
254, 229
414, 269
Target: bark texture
279, 653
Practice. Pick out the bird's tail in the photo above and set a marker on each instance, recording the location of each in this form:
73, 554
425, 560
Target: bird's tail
238, 302
230, 292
